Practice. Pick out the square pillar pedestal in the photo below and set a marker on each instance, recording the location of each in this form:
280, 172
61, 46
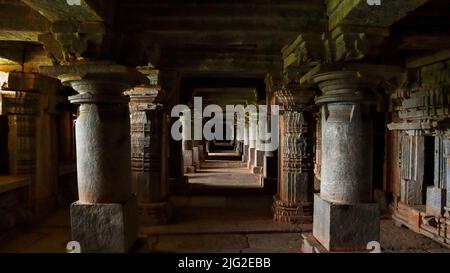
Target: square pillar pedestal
245, 153
344, 227
436, 201
251, 158
104, 228
188, 156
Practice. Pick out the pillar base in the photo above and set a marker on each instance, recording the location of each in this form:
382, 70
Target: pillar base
153, 214
260, 155
436, 201
302, 213
345, 227
245, 154
251, 158
311, 245
257, 170
189, 169
196, 157
104, 228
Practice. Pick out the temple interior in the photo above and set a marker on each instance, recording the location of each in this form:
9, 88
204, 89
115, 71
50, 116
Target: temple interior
352, 152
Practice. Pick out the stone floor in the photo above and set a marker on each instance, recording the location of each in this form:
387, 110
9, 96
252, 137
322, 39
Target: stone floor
205, 233
225, 173
233, 224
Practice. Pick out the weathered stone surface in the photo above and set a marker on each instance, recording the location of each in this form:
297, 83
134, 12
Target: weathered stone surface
436, 201
106, 228
260, 158
245, 154
251, 158
346, 153
154, 213
345, 227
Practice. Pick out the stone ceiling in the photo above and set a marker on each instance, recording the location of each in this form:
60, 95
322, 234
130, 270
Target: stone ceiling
234, 38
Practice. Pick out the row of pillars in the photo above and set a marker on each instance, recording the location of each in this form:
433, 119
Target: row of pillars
343, 213
344, 217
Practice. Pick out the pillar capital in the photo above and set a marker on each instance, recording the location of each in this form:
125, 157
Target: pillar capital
353, 82
293, 96
96, 82
144, 98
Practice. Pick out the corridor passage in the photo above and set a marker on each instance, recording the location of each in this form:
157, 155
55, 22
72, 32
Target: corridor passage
224, 170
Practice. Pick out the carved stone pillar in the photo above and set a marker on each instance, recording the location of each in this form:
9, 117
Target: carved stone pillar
345, 219
149, 154
104, 219
32, 135
21, 108
294, 201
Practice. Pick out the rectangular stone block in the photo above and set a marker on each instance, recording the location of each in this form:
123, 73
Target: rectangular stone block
201, 153
260, 158
436, 201
251, 157
104, 228
195, 154
187, 158
345, 227
245, 154
447, 199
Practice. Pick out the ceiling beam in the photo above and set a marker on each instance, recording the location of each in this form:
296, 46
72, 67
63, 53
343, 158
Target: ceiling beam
20, 23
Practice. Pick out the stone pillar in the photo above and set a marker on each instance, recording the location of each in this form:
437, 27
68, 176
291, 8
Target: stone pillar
294, 202
245, 152
188, 156
22, 143
104, 219
47, 167
253, 134
259, 152
197, 150
32, 135
345, 219
149, 154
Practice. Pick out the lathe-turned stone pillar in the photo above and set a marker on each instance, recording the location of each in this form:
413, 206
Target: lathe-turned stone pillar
294, 201
149, 154
345, 219
104, 219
